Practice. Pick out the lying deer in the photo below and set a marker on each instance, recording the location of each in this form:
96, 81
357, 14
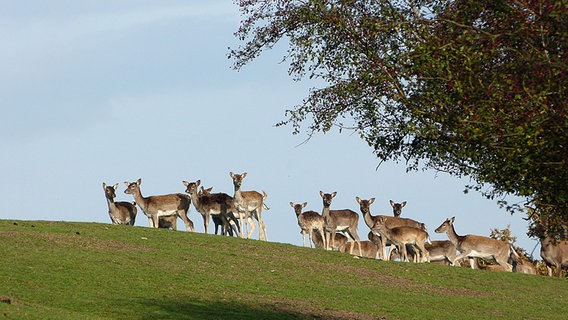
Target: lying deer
309, 221
338, 242
403, 236
473, 246
121, 212
155, 207
369, 247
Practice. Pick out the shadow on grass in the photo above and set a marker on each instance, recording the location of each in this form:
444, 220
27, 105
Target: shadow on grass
198, 309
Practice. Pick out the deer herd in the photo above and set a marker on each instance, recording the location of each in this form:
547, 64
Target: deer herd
333, 229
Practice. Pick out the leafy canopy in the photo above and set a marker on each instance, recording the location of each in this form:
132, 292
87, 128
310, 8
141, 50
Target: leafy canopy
473, 88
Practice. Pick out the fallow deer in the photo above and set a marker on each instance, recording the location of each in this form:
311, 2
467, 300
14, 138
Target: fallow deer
208, 205
474, 246
403, 236
339, 241
397, 207
233, 227
155, 207
121, 212
391, 222
249, 203
309, 221
370, 247
344, 220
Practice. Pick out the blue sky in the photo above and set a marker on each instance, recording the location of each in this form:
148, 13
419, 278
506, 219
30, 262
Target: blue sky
112, 91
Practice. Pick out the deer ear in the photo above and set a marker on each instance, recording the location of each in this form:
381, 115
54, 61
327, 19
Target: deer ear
244, 174
198, 182
104, 185
391, 202
185, 183
403, 203
291, 204
321, 193
452, 220
371, 200
139, 181
304, 204
115, 186
358, 200
334, 194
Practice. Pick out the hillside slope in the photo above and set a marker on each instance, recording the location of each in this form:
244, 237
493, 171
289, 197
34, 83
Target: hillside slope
60, 270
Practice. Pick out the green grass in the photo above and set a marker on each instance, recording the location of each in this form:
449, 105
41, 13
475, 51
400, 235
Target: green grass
60, 270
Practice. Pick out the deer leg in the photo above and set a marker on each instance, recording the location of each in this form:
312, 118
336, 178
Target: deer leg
206, 222
188, 223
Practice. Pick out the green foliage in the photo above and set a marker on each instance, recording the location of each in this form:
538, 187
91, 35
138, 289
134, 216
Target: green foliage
60, 270
473, 88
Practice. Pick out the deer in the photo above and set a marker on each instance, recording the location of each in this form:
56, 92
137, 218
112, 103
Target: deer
233, 227
440, 251
249, 203
339, 241
121, 212
391, 222
344, 220
553, 251
397, 208
155, 207
370, 247
219, 205
403, 236
474, 246
309, 221
168, 222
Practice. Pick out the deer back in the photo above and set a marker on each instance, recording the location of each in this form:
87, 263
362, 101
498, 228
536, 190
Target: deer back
310, 220
345, 218
554, 252
167, 202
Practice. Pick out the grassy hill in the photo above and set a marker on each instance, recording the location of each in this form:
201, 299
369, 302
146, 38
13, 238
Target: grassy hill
60, 270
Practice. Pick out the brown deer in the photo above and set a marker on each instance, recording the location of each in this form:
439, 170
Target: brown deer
403, 236
344, 220
339, 241
309, 221
121, 212
370, 247
391, 222
233, 227
397, 208
249, 203
554, 253
474, 246
440, 251
219, 205
155, 207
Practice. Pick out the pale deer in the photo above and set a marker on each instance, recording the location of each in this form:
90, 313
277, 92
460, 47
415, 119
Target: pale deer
121, 212
403, 236
344, 220
474, 246
524, 266
219, 205
155, 207
247, 204
309, 221
391, 222
339, 241
397, 207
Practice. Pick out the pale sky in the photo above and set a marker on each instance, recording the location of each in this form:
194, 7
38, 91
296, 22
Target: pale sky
112, 91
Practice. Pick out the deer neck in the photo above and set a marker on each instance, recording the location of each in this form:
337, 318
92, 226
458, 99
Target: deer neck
140, 200
111, 205
196, 199
453, 236
368, 219
238, 193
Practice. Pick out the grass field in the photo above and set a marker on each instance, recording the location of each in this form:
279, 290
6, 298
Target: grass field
61, 270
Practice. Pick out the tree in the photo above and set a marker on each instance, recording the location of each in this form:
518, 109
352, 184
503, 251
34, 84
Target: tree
472, 88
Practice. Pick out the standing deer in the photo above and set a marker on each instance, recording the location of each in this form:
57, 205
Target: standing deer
339, 220
155, 207
391, 222
403, 236
441, 251
218, 205
233, 227
249, 203
397, 208
473, 246
120, 212
554, 253
309, 221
